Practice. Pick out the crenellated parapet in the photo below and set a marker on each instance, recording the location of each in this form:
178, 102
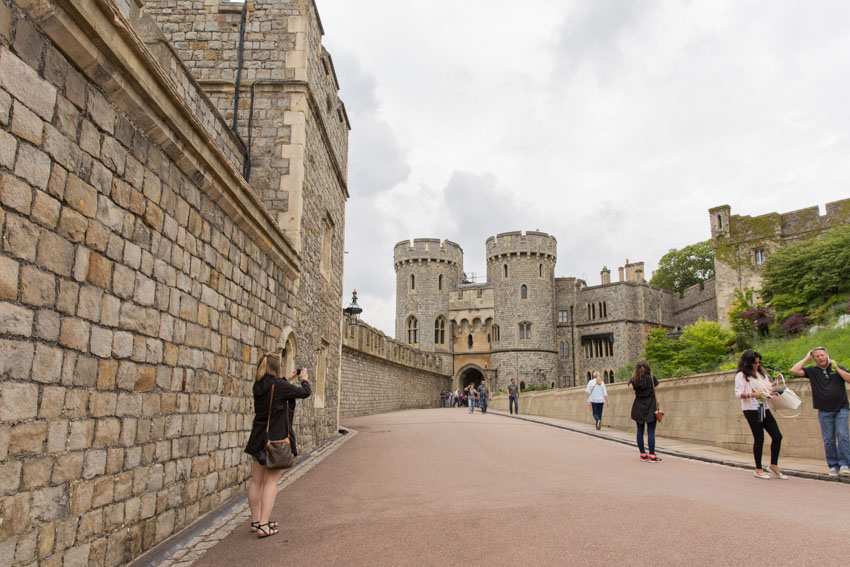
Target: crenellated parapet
517, 243
371, 341
427, 250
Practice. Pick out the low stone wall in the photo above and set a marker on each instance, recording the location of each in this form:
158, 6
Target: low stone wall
380, 375
700, 408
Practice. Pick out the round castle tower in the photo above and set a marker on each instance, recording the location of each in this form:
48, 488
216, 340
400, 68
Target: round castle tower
521, 269
425, 272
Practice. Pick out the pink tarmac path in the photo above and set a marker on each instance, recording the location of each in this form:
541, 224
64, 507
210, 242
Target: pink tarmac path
442, 487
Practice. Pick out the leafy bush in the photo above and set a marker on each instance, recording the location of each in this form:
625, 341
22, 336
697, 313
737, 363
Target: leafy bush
795, 324
536, 387
803, 276
624, 373
701, 348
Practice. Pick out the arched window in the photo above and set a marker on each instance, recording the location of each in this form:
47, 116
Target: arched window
495, 333
589, 376
564, 349
469, 340
588, 311
506, 270
412, 331
525, 330
440, 282
611, 375
719, 221
540, 270
604, 308
593, 311
523, 292
440, 331
412, 281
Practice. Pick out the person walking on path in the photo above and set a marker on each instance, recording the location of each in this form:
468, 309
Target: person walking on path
513, 397
829, 397
276, 415
643, 408
456, 398
471, 396
598, 397
753, 387
483, 396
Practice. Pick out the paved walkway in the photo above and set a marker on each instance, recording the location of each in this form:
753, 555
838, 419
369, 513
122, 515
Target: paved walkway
443, 487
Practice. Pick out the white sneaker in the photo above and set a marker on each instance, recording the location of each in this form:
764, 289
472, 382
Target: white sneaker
844, 471
833, 472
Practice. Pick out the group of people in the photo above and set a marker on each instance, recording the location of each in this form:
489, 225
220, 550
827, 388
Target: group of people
754, 387
274, 406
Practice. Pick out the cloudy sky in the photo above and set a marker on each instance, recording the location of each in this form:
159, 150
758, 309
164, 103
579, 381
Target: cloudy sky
613, 125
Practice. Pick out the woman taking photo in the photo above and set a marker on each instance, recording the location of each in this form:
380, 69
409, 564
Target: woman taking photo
598, 397
263, 487
752, 387
643, 408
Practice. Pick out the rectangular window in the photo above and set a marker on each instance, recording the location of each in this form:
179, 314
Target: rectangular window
563, 316
321, 373
759, 257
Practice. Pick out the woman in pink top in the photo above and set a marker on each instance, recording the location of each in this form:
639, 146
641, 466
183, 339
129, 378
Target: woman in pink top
753, 387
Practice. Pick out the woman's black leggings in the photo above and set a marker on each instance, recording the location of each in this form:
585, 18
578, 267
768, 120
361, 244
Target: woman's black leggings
758, 428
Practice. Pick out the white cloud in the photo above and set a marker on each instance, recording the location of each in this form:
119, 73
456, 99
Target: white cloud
613, 125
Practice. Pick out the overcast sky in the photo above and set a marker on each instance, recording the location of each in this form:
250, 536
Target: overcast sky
613, 125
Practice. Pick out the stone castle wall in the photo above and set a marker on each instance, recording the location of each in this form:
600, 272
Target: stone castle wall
382, 375
140, 280
736, 240
701, 408
697, 302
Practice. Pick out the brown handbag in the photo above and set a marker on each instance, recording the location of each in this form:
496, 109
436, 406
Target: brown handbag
278, 453
659, 413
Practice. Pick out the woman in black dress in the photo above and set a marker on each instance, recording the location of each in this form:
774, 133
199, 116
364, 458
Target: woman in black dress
643, 408
263, 487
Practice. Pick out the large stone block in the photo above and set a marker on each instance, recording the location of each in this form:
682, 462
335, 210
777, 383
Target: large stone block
15, 361
36, 473
45, 209
55, 254
37, 287
15, 194
9, 270
47, 364
74, 334
33, 165
26, 124
81, 196
23, 82
15, 320
21, 237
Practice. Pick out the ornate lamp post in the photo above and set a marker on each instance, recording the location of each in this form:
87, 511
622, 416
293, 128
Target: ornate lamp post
352, 310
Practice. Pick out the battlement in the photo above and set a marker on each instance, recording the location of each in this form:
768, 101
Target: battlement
784, 226
531, 242
428, 249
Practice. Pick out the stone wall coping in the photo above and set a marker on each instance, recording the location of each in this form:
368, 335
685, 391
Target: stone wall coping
139, 85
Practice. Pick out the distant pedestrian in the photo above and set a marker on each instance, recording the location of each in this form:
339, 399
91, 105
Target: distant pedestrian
598, 397
753, 387
443, 398
829, 397
643, 408
483, 396
456, 399
513, 397
471, 395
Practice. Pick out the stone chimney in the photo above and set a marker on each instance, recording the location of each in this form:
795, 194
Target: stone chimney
620, 269
606, 275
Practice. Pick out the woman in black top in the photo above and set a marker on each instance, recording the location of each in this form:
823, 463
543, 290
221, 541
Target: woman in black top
263, 487
643, 408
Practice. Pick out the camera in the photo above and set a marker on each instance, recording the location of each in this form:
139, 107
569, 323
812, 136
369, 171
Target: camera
298, 372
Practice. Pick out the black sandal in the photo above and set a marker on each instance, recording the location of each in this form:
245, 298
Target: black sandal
256, 525
265, 530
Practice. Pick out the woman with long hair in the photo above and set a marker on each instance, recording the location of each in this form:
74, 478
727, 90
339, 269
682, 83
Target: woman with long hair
277, 413
753, 387
643, 408
598, 397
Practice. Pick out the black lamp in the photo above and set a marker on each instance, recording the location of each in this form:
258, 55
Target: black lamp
352, 310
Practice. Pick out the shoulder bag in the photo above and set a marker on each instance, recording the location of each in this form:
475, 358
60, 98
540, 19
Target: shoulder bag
278, 453
784, 399
659, 413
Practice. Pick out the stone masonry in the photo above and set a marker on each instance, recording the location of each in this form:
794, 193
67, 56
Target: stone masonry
141, 275
743, 243
383, 375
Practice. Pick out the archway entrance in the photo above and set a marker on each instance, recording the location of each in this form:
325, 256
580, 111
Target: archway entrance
469, 375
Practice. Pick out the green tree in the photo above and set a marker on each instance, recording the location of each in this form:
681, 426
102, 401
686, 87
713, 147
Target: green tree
703, 346
807, 275
660, 352
680, 269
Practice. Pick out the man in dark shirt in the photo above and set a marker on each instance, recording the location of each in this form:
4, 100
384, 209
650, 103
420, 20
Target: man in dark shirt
483, 396
513, 397
829, 397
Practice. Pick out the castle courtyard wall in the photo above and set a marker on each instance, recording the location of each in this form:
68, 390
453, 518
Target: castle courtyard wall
701, 409
381, 375
140, 280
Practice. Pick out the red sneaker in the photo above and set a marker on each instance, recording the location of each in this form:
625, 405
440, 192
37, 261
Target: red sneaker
654, 459
644, 457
